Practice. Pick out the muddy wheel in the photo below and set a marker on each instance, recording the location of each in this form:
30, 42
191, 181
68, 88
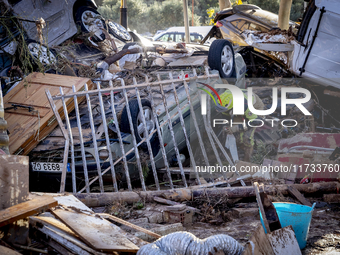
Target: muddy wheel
90, 21
118, 31
41, 53
138, 126
221, 57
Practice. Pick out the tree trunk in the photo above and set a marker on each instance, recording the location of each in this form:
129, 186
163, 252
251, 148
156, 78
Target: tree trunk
102, 199
284, 14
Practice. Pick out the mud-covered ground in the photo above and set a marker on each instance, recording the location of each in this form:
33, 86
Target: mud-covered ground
242, 219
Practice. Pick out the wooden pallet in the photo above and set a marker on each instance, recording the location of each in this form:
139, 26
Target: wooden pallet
28, 127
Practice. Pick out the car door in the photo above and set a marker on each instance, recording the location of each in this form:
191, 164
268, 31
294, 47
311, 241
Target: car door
57, 15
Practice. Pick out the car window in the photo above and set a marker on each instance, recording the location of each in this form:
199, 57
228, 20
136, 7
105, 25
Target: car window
196, 37
171, 38
238, 23
179, 37
256, 27
164, 38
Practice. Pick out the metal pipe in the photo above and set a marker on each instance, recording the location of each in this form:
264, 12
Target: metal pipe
156, 83
192, 159
127, 153
123, 14
69, 129
63, 130
113, 173
160, 137
121, 144
146, 132
284, 14
89, 108
172, 133
86, 175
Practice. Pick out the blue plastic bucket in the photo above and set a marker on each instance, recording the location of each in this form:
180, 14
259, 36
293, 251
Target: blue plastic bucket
299, 216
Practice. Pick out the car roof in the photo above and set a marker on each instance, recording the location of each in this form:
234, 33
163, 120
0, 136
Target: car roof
253, 12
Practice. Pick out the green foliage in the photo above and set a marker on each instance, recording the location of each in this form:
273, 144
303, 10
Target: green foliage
153, 15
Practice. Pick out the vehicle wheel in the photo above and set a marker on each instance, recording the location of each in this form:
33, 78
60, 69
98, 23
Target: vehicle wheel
41, 53
221, 57
138, 126
118, 31
90, 21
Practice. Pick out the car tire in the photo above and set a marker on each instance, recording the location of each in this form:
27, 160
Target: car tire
80, 19
137, 122
41, 53
221, 57
118, 31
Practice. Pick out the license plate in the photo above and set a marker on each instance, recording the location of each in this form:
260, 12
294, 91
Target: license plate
47, 167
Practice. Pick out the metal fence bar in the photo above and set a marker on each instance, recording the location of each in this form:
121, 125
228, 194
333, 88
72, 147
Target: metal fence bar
63, 130
146, 132
114, 114
69, 129
113, 173
172, 133
127, 153
192, 159
160, 137
200, 140
82, 149
141, 85
128, 111
101, 184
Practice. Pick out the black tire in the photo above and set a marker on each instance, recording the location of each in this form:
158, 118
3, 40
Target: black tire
79, 21
218, 49
118, 31
125, 126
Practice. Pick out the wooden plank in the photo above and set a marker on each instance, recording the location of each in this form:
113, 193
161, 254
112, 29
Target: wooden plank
283, 241
26, 209
296, 194
259, 243
133, 226
51, 222
96, 232
7, 251
27, 129
14, 172
331, 198
259, 202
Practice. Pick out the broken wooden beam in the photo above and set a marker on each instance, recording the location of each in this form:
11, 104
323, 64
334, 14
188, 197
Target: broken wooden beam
128, 224
102, 199
296, 194
25, 209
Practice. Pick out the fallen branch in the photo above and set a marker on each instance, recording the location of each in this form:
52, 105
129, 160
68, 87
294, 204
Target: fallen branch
101, 199
111, 59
